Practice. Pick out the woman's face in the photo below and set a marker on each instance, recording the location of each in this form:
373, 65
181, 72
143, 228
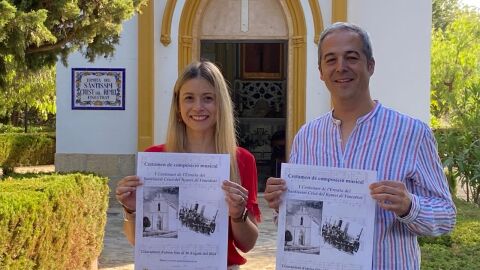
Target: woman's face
198, 106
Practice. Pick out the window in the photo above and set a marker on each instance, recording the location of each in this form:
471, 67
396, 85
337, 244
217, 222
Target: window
261, 60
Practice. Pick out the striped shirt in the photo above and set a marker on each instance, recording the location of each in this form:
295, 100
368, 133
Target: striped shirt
399, 148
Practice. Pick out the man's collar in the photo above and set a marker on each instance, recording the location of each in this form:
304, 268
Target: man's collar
362, 118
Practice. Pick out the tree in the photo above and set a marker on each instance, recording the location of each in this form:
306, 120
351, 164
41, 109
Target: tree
146, 223
455, 82
455, 63
29, 90
288, 237
443, 13
34, 33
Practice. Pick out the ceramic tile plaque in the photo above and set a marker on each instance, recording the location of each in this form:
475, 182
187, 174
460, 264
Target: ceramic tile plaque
98, 89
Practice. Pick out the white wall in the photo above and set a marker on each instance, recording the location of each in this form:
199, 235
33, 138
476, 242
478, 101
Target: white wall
401, 44
100, 131
400, 33
166, 70
318, 97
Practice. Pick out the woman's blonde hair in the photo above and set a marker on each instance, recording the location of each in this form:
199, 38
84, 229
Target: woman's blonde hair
225, 139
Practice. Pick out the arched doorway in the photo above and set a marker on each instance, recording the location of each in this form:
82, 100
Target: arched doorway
256, 73
159, 223
268, 88
301, 238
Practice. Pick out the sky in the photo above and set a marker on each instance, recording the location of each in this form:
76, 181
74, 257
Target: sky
475, 3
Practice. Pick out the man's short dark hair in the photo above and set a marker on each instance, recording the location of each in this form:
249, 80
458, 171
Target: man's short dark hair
339, 26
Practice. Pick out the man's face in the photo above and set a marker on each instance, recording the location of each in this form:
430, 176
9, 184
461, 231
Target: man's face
344, 67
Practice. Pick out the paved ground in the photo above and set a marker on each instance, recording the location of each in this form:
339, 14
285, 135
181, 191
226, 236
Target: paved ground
118, 254
32, 169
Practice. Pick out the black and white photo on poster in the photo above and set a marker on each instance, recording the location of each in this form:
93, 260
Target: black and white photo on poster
302, 226
198, 217
343, 234
160, 210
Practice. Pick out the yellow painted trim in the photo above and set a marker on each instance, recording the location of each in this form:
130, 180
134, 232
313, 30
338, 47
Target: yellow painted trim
146, 70
165, 38
317, 19
185, 39
298, 49
339, 11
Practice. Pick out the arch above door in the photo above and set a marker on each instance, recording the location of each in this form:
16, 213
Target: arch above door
297, 56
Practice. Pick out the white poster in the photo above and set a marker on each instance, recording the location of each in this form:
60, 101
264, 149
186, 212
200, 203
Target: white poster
182, 218
326, 219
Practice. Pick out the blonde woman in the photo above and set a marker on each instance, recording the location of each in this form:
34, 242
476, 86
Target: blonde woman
201, 121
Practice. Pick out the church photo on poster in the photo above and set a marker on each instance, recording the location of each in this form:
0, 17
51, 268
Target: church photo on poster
160, 211
302, 226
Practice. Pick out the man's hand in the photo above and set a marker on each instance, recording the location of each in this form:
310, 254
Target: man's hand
392, 196
273, 192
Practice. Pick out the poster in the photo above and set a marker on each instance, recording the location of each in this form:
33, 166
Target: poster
326, 219
181, 218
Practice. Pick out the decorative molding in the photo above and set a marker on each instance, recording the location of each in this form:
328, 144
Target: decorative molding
185, 39
165, 38
146, 71
244, 16
298, 41
339, 10
317, 19
297, 74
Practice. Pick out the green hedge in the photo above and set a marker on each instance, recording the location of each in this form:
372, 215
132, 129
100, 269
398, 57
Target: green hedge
20, 129
52, 221
458, 250
26, 150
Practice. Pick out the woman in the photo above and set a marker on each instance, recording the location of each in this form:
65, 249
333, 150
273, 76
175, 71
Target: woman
201, 121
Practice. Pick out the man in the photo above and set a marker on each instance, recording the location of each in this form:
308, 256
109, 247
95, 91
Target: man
359, 133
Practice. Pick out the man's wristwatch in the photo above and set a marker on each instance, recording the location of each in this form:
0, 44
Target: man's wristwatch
242, 218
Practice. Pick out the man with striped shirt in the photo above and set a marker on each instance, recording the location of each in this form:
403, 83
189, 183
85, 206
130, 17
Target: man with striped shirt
359, 133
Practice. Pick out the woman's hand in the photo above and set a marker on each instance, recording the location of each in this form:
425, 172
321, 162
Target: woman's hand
236, 197
126, 193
